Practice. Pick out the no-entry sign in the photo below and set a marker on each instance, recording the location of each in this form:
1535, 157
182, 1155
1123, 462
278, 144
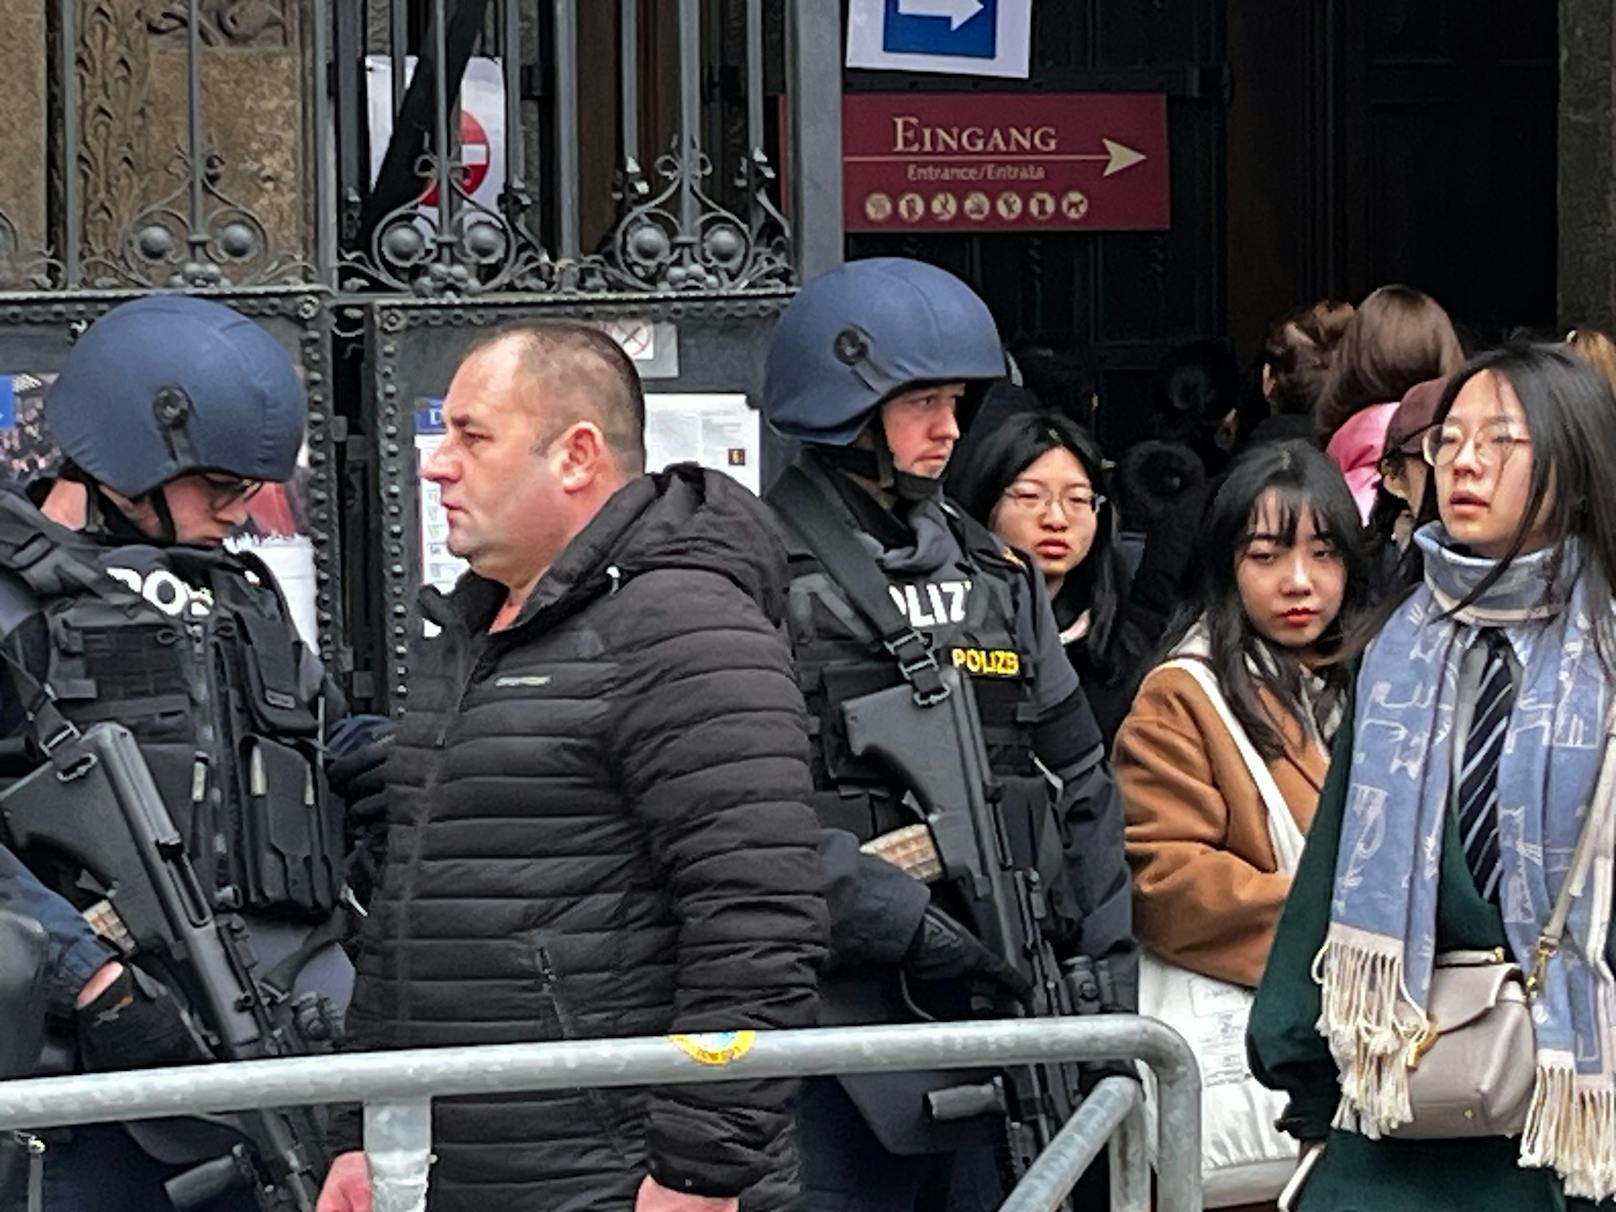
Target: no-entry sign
1005, 161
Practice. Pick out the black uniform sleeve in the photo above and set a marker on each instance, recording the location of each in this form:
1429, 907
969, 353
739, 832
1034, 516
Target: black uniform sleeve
1067, 741
712, 745
875, 908
73, 953
1040, 634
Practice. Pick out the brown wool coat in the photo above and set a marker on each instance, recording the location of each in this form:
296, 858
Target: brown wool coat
1207, 892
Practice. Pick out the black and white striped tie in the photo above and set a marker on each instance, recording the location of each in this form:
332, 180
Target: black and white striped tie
1477, 800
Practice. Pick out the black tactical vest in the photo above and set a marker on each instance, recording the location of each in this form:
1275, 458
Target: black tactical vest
194, 651
969, 613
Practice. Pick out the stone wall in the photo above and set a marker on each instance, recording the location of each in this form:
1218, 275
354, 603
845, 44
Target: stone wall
133, 81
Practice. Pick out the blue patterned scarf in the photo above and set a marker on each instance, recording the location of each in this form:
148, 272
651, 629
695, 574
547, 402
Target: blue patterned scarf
1376, 963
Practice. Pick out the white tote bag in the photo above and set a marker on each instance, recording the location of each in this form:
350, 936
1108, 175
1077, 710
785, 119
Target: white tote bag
1244, 1158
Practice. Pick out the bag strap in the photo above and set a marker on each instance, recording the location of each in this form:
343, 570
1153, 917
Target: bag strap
1283, 832
805, 510
1604, 793
46, 725
283, 976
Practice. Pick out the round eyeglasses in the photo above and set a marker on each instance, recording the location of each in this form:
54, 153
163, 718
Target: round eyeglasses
225, 490
1493, 442
1074, 502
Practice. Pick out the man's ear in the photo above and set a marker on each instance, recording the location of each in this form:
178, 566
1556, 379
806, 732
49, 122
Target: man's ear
582, 456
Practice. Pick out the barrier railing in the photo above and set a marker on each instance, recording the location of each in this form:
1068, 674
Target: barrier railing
397, 1089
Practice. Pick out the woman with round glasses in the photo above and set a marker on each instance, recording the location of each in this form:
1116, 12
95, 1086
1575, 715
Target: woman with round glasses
1038, 481
1460, 783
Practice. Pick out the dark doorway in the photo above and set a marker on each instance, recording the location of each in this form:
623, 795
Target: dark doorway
1115, 301
1374, 141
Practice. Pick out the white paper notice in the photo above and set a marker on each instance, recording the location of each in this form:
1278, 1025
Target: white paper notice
291, 559
718, 431
439, 568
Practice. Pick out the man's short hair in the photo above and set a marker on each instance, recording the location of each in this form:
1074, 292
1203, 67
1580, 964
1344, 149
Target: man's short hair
590, 379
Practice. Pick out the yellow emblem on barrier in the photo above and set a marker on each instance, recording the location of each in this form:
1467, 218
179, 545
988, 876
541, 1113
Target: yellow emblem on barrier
715, 1047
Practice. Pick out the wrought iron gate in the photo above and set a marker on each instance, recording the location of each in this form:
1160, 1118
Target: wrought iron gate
325, 166
411, 349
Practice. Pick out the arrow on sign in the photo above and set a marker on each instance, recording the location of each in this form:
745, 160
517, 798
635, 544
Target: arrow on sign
1115, 157
958, 12
1119, 156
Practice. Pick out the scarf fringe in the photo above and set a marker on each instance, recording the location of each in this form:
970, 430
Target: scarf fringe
1572, 1129
1361, 980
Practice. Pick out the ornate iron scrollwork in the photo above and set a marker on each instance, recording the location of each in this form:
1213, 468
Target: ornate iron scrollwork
196, 237
481, 252
478, 251
651, 248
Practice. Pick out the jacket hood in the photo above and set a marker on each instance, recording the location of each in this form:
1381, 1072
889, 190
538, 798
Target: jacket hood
685, 517
1356, 448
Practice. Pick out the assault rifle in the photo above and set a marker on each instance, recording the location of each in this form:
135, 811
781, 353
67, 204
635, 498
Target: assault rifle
936, 749
95, 803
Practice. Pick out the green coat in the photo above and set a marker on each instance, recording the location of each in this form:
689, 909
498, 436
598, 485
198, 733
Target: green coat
1288, 1053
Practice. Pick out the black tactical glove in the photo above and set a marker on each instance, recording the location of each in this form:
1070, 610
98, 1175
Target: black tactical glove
943, 949
360, 778
136, 1023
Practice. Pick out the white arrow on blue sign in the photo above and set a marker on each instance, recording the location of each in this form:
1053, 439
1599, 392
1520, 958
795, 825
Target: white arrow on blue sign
958, 12
959, 37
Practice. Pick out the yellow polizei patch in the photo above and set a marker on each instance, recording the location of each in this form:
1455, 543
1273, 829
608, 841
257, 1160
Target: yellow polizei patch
715, 1047
989, 662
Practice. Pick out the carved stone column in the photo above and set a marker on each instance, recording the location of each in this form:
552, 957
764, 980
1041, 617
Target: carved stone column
24, 121
135, 166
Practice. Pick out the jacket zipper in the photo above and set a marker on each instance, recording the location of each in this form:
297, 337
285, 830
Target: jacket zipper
569, 1031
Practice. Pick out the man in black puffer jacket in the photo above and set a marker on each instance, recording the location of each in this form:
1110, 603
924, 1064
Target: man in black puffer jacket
598, 822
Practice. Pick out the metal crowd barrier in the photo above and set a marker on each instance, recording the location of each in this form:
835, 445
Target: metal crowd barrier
396, 1089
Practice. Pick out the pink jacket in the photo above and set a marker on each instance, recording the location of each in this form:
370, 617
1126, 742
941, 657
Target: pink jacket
1357, 447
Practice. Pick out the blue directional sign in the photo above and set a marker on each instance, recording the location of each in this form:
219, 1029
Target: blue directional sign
951, 37
967, 28
8, 403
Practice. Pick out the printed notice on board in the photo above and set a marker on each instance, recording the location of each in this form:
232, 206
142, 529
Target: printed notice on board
439, 568
717, 431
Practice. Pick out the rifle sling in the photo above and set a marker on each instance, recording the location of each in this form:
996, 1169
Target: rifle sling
809, 514
280, 979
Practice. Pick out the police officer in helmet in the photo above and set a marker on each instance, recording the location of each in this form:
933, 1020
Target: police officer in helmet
874, 368
119, 601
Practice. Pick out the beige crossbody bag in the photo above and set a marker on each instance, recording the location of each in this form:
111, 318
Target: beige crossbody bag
1472, 1069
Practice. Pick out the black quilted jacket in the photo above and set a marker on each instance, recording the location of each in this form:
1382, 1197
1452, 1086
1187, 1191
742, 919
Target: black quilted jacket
598, 829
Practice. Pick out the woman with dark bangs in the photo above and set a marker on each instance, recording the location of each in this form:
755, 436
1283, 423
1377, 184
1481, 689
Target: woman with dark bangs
1283, 571
1037, 480
1461, 780
1221, 759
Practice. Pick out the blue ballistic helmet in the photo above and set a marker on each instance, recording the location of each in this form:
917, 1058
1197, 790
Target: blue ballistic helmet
169, 384
854, 336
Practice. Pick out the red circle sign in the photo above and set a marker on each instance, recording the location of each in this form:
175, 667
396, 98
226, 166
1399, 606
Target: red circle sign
476, 154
